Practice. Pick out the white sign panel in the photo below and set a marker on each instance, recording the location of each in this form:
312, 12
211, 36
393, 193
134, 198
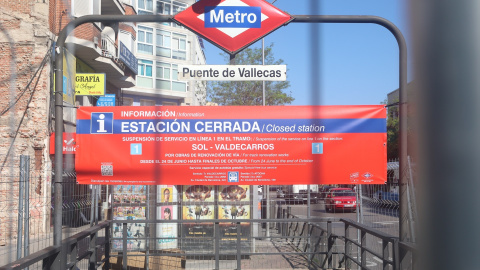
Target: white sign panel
232, 72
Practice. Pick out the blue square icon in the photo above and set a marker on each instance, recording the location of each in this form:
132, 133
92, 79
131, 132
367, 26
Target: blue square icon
101, 123
233, 177
135, 149
317, 148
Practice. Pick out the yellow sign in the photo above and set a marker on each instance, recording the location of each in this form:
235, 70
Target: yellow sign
90, 84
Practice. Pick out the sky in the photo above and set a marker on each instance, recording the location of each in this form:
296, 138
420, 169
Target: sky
358, 63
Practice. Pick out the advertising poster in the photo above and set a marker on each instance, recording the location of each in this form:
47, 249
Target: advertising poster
199, 193
228, 230
234, 145
234, 193
167, 194
233, 212
135, 231
129, 194
197, 234
195, 212
167, 231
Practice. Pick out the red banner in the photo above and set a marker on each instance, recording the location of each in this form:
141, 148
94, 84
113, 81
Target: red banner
273, 145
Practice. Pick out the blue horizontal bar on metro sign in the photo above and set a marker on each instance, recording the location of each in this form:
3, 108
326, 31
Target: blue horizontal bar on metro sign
233, 17
237, 126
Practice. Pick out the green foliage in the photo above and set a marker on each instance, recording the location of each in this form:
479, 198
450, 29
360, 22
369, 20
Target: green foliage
392, 138
393, 133
250, 92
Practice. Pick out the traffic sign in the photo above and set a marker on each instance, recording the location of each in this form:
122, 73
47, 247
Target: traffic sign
232, 25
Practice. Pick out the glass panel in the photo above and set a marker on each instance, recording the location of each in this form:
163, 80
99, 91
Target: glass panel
163, 84
150, 5
149, 38
144, 82
159, 40
179, 36
141, 36
183, 44
167, 42
167, 73
148, 71
175, 73
159, 73
141, 4
143, 12
179, 86
179, 55
175, 43
164, 52
160, 7
143, 48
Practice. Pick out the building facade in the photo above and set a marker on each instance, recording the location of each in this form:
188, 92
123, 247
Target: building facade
160, 48
27, 43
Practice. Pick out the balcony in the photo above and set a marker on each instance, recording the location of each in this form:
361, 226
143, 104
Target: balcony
103, 57
112, 7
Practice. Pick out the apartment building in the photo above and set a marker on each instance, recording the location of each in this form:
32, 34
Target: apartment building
160, 48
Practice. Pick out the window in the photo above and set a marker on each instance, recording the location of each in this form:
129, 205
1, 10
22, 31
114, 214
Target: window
147, 102
169, 103
163, 76
166, 78
127, 101
179, 46
167, 44
145, 7
177, 85
163, 44
145, 40
145, 76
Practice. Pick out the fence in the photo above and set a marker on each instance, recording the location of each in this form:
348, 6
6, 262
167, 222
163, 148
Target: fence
295, 243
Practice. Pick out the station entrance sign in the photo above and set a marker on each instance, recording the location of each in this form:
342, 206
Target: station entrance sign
231, 145
232, 25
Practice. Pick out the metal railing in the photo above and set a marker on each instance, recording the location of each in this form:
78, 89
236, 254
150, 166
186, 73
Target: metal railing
315, 242
67, 255
109, 49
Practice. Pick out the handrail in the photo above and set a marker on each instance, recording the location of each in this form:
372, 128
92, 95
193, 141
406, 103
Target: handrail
371, 231
52, 251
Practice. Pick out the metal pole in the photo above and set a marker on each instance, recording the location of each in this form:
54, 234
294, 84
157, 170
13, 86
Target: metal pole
26, 239
263, 63
448, 60
21, 189
412, 194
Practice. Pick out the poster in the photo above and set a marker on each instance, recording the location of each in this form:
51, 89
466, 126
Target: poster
234, 193
198, 212
167, 232
228, 230
129, 194
216, 145
167, 194
135, 231
199, 193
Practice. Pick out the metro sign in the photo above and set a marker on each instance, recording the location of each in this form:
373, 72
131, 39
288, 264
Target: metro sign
232, 25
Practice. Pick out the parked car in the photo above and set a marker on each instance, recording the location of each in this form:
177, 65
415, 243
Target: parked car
324, 191
341, 200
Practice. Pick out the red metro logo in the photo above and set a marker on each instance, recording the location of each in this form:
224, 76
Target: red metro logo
232, 25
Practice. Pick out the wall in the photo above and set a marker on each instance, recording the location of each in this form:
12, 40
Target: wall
25, 40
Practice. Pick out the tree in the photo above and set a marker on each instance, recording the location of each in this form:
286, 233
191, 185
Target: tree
393, 133
250, 92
